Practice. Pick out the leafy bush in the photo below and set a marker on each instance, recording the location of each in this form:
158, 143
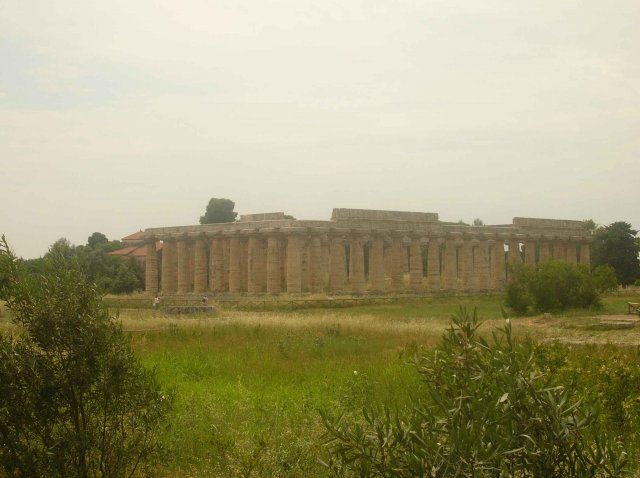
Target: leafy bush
74, 399
491, 409
556, 286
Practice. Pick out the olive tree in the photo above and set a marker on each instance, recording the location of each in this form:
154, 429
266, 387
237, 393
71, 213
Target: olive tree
74, 399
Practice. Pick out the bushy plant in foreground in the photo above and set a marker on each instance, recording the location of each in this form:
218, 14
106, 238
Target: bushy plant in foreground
74, 400
491, 409
556, 286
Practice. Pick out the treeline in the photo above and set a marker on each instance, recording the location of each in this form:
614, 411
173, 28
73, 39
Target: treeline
111, 274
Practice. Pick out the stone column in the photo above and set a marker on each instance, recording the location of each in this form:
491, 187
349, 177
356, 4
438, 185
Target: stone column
244, 263
151, 267
545, 251
513, 256
305, 263
315, 264
559, 251
294, 264
253, 265
169, 266
415, 264
572, 252
530, 252
184, 281
376, 264
225, 264
192, 264
482, 265
356, 272
499, 268
234, 265
433, 264
326, 261
273, 265
585, 253
338, 265
398, 259
216, 266
200, 279
450, 269
467, 264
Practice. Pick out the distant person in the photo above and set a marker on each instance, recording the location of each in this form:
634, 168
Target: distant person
156, 302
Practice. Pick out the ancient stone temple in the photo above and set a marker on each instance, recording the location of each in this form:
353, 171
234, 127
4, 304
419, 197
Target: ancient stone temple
357, 251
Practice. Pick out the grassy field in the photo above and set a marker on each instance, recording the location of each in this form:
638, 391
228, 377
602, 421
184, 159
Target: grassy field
248, 385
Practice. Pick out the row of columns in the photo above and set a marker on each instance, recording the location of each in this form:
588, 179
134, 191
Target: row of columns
349, 263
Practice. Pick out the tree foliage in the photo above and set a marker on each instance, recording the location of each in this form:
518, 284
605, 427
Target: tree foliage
219, 210
616, 245
491, 409
74, 399
556, 286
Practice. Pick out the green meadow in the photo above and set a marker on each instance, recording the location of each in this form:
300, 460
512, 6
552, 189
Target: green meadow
248, 386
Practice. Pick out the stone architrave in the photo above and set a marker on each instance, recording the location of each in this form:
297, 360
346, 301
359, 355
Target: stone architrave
274, 280
151, 267
216, 265
200, 279
356, 271
545, 251
398, 259
499, 265
169, 269
294, 264
530, 252
450, 269
433, 264
184, 281
585, 253
467, 264
415, 264
376, 264
481, 264
235, 276
338, 273
315, 264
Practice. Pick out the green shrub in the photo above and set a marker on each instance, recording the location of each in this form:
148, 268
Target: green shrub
557, 286
491, 409
74, 399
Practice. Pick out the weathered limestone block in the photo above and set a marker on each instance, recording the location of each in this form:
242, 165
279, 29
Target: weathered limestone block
169, 266
450, 269
376, 264
466, 264
433, 264
151, 268
338, 265
356, 272
216, 265
545, 251
294, 264
234, 265
200, 280
316, 265
499, 265
530, 253
398, 256
273, 265
585, 253
481, 263
184, 281
415, 264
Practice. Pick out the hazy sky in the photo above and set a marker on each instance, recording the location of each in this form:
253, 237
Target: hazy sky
120, 115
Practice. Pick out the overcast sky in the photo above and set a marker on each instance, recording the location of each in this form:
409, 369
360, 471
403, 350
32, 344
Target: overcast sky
120, 115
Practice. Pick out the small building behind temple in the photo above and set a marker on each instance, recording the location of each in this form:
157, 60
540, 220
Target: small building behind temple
356, 251
133, 247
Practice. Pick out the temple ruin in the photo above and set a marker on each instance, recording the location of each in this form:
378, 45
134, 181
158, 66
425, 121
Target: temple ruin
357, 251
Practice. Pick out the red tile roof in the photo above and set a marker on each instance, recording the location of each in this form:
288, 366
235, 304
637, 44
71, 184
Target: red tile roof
136, 236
